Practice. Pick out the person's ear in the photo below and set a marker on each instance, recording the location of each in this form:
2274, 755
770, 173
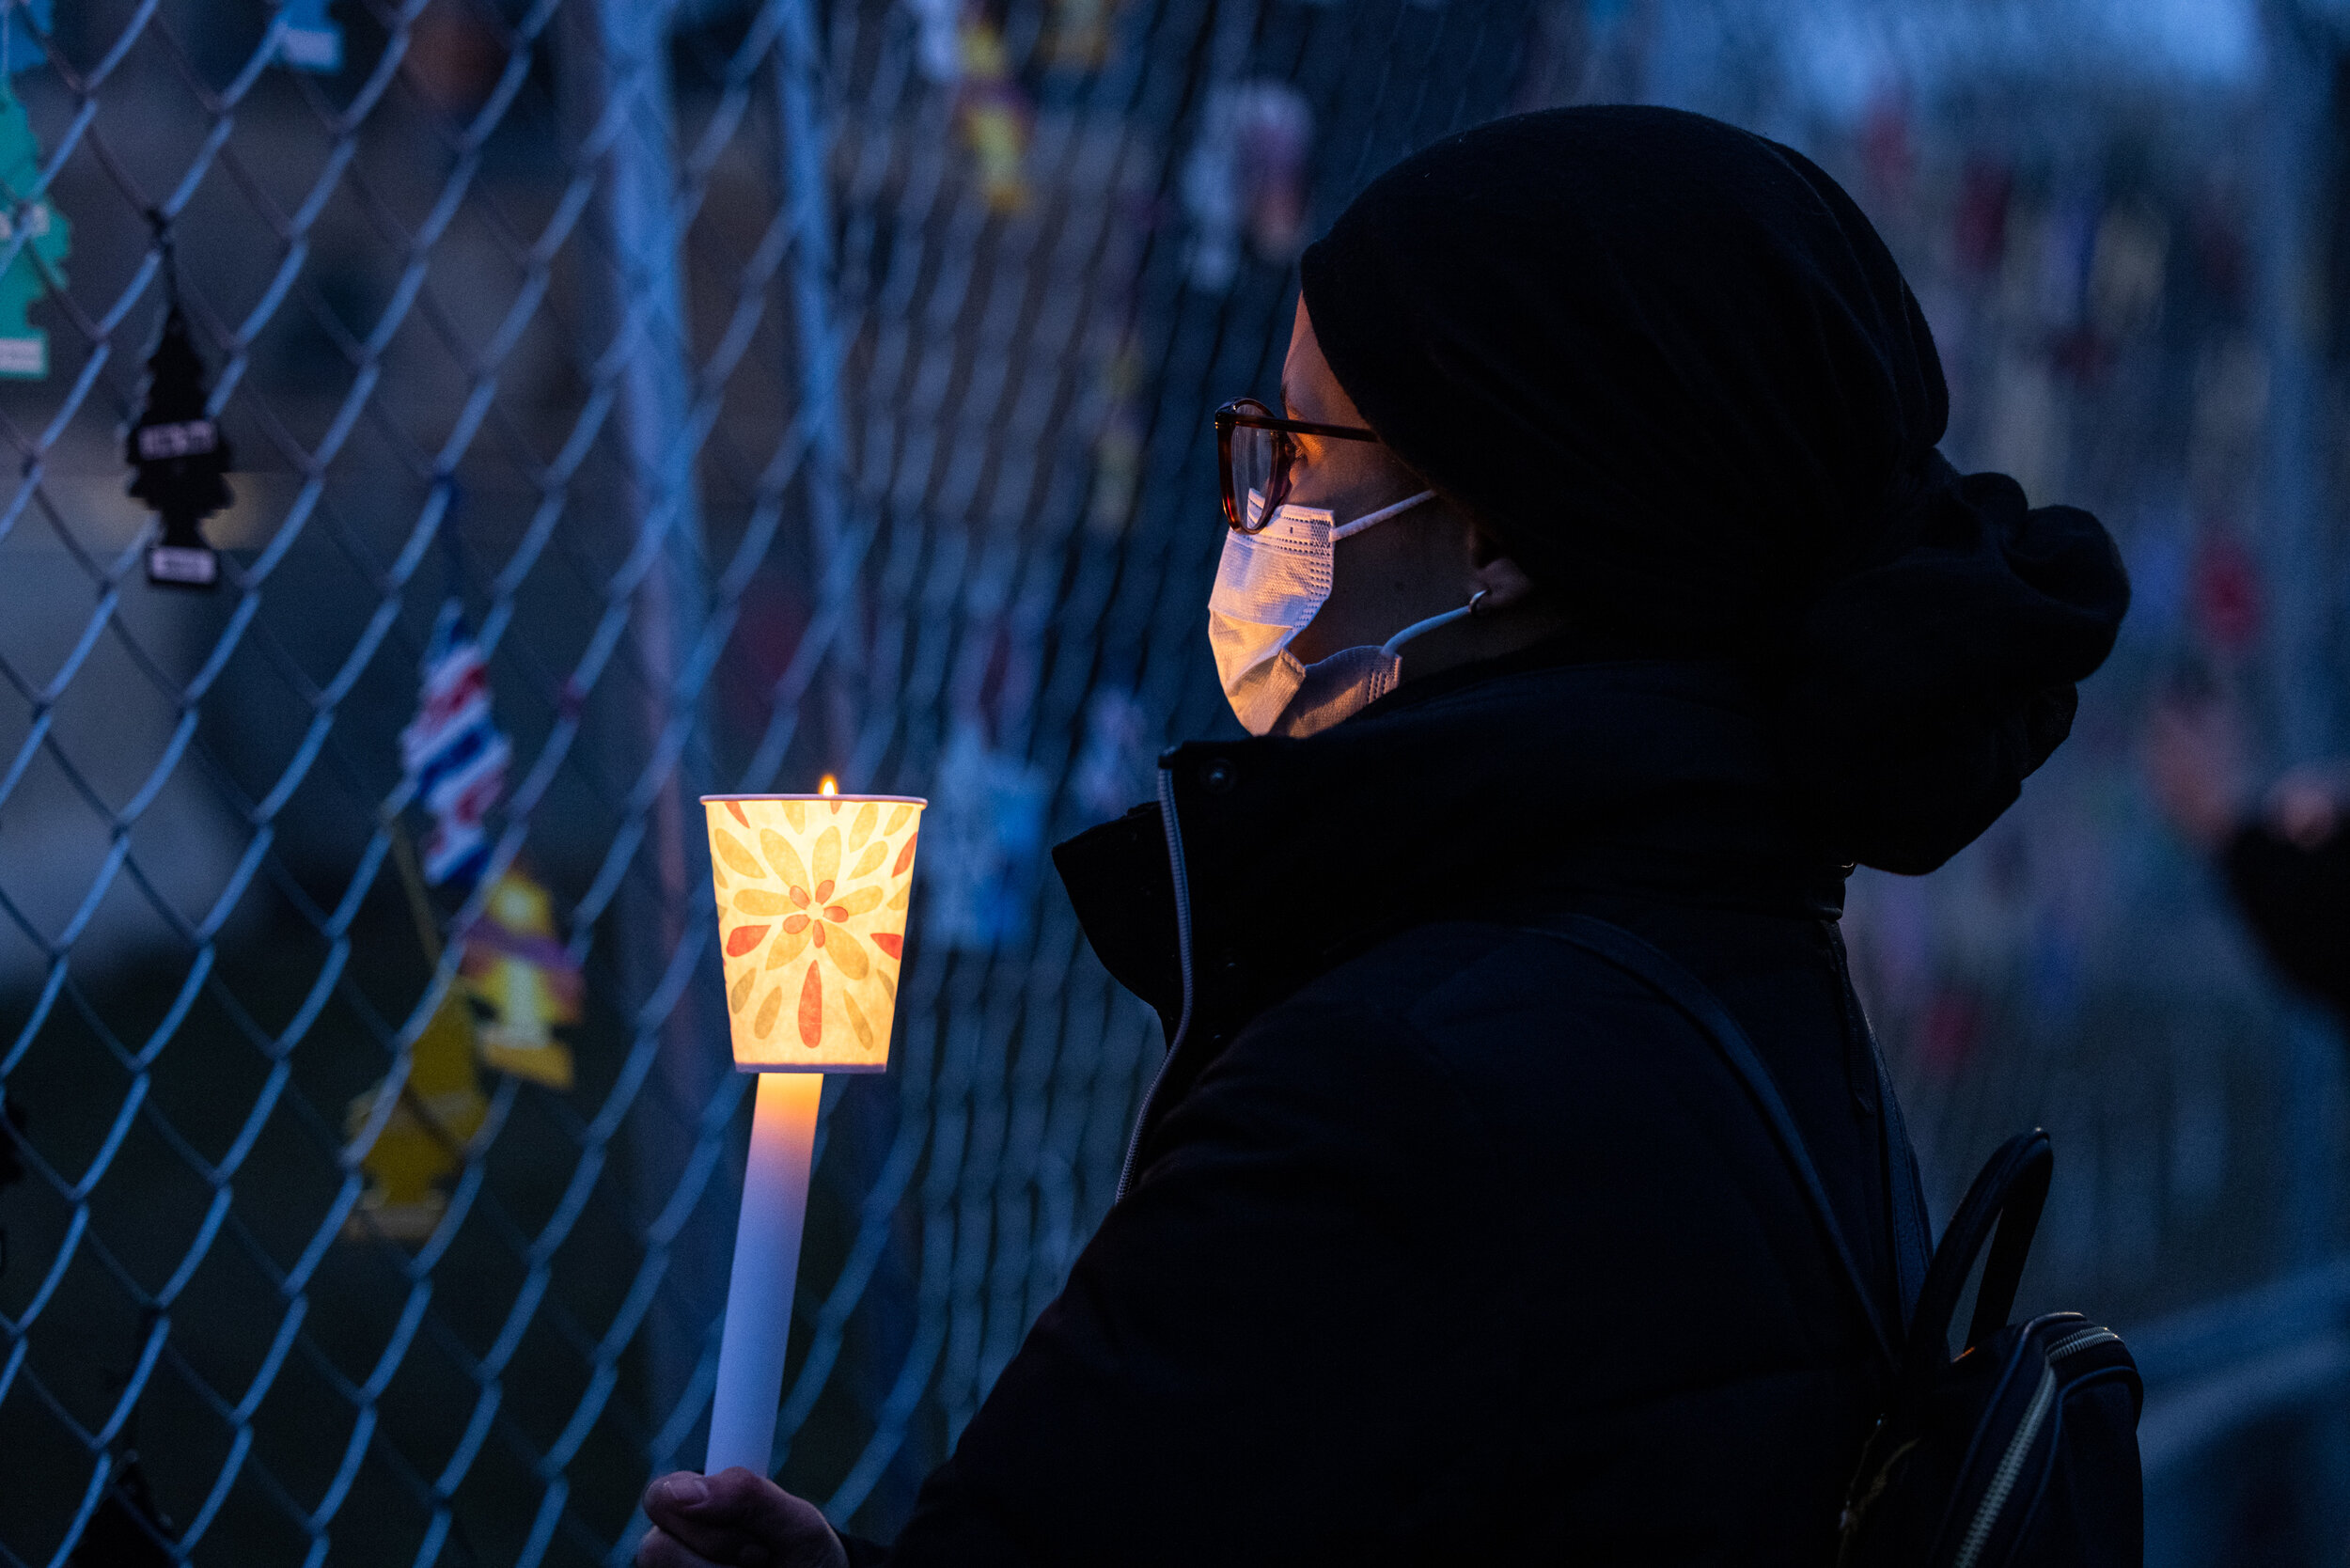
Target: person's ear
1500, 579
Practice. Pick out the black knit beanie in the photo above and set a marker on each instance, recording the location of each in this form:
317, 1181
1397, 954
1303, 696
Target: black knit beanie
1675, 369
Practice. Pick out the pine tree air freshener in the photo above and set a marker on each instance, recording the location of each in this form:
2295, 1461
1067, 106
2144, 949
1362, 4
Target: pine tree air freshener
181, 457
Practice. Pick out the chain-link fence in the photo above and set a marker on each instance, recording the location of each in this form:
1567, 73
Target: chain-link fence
631, 399
727, 394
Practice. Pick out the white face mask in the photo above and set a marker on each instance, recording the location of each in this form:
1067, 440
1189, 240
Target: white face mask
1268, 586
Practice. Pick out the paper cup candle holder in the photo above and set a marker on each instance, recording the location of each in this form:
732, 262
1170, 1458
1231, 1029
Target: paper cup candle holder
812, 895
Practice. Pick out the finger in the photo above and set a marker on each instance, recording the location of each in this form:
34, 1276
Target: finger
793, 1530
660, 1549
674, 1498
742, 1520
679, 1505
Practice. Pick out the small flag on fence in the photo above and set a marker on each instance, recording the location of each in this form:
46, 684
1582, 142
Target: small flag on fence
455, 756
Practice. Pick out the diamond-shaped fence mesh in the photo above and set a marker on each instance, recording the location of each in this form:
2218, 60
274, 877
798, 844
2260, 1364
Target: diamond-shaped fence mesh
762, 390
726, 392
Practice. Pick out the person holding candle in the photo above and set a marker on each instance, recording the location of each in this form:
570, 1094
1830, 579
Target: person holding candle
1600, 561
2286, 860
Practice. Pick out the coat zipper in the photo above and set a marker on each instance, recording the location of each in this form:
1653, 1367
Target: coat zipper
1183, 955
2011, 1462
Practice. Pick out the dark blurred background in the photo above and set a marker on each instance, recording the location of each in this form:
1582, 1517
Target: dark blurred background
767, 388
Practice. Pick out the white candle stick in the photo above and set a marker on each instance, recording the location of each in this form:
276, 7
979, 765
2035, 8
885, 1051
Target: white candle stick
812, 895
766, 1266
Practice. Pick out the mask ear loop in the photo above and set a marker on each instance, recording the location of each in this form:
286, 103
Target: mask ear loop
1446, 618
1347, 530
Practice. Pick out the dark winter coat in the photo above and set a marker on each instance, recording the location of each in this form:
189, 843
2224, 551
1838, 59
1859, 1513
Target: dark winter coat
1445, 1242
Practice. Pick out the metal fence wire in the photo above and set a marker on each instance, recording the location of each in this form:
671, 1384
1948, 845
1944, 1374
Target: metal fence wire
632, 398
629, 400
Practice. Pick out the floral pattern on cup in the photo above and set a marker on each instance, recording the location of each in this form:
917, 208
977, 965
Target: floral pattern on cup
812, 896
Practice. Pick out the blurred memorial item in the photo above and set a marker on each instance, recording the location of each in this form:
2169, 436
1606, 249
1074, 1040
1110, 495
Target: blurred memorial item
522, 980
409, 1147
2287, 862
180, 456
453, 752
308, 39
37, 266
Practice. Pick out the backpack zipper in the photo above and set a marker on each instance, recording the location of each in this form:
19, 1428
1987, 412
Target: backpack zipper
2011, 1462
1183, 955
2079, 1340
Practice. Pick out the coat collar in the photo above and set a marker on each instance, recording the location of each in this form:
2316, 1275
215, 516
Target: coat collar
1508, 786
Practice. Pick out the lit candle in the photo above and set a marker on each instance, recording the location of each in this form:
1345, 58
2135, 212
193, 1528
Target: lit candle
812, 894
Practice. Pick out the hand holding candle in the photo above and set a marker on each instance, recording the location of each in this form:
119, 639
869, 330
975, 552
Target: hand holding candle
812, 895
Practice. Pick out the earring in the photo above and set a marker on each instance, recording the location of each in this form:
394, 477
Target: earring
1475, 597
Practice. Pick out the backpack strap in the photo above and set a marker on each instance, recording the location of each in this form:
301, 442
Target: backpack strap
1689, 995
2000, 1211
1912, 1250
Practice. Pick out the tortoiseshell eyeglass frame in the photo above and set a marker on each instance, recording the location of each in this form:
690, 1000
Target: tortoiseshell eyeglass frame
1248, 412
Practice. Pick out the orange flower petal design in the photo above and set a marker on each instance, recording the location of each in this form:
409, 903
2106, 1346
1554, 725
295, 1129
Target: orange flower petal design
799, 896
898, 899
736, 808
765, 1025
870, 862
732, 852
906, 856
783, 857
897, 819
811, 1009
856, 1022
795, 812
859, 902
834, 913
816, 929
742, 939
862, 828
826, 860
848, 954
787, 946
890, 943
742, 991
757, 901
795, 923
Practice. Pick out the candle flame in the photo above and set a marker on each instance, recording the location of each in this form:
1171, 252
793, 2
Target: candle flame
830, 785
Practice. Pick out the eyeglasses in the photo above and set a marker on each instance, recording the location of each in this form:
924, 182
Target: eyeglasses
1256, 450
